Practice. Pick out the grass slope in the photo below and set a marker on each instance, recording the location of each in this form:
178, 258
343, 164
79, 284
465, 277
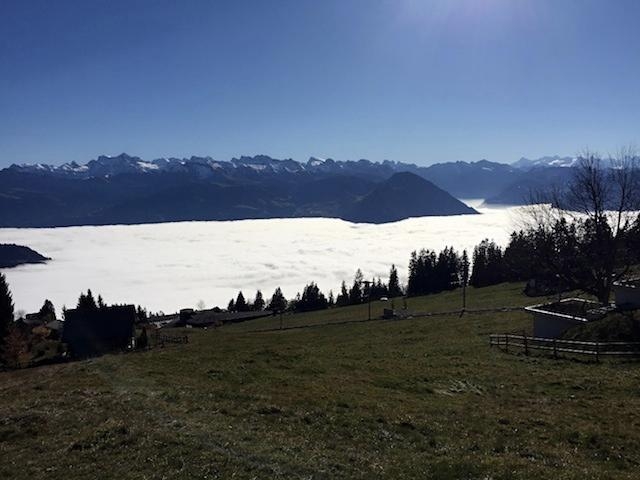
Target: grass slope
420, 398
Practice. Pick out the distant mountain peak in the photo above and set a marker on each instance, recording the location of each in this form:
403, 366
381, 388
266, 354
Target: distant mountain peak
548, 161
405, 195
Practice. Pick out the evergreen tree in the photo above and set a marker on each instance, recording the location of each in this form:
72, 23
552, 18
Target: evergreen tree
422, 273
312, 299
232, 306
464, 269
488, 268
343, 297
101, 303
241, 303
331, 300
258, 303
87, 302
394, 283
141, 314
278, 303
47, 311
6, 308
356, 293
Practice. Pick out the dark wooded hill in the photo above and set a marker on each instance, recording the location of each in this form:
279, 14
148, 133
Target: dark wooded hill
13, 255
405, 195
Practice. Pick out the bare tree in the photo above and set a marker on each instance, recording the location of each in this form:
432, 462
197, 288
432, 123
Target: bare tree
582, 231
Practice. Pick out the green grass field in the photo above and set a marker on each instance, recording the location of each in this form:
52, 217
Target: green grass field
417, 398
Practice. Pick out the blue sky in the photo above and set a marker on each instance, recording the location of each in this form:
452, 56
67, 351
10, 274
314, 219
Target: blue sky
408, 80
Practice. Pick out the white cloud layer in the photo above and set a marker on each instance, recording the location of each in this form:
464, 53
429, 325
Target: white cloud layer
174, 265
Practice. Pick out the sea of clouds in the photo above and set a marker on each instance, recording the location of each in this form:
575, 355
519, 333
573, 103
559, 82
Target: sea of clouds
169, 266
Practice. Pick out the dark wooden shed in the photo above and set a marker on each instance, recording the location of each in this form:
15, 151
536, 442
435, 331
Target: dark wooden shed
94, 332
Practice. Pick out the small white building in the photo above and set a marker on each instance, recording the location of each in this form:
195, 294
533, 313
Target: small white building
551, 320
627, 293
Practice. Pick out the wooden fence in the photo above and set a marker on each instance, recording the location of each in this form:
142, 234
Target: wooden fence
556, 346
162, 339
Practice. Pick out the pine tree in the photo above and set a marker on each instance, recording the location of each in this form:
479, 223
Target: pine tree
87, 302
241, 303
232, 306
356, 294
278, 303
100, 301
312, 299
464, 269
141, 313
6, 308
343, 297
47, 311
258, 303
394, 283
488, 264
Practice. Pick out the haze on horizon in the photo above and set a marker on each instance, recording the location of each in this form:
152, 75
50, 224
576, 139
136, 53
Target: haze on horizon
406, 80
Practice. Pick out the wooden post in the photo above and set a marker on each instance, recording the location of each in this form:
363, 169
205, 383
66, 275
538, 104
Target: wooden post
506, 343
526, 346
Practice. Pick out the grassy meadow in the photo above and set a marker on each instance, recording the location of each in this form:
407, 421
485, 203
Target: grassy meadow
416, 398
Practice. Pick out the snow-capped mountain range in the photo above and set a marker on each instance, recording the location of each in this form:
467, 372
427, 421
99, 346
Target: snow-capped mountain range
554, 161
207, 166
201, 166
129, 189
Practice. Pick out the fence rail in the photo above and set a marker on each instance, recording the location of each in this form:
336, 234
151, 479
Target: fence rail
162, 339
557, 345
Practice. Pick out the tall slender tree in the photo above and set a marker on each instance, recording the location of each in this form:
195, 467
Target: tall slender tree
241, 303
342, 299
258, 303
394, 283
278, 303
6, 308
356, 294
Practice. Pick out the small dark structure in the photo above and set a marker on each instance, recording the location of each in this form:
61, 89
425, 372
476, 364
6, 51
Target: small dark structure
94, 332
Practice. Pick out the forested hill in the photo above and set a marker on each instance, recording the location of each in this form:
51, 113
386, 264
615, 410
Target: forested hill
14, 255
405, 195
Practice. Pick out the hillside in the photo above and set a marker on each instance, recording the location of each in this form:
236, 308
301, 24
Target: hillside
382, 399
13, 255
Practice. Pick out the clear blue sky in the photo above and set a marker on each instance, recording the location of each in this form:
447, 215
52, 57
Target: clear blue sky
411, 80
